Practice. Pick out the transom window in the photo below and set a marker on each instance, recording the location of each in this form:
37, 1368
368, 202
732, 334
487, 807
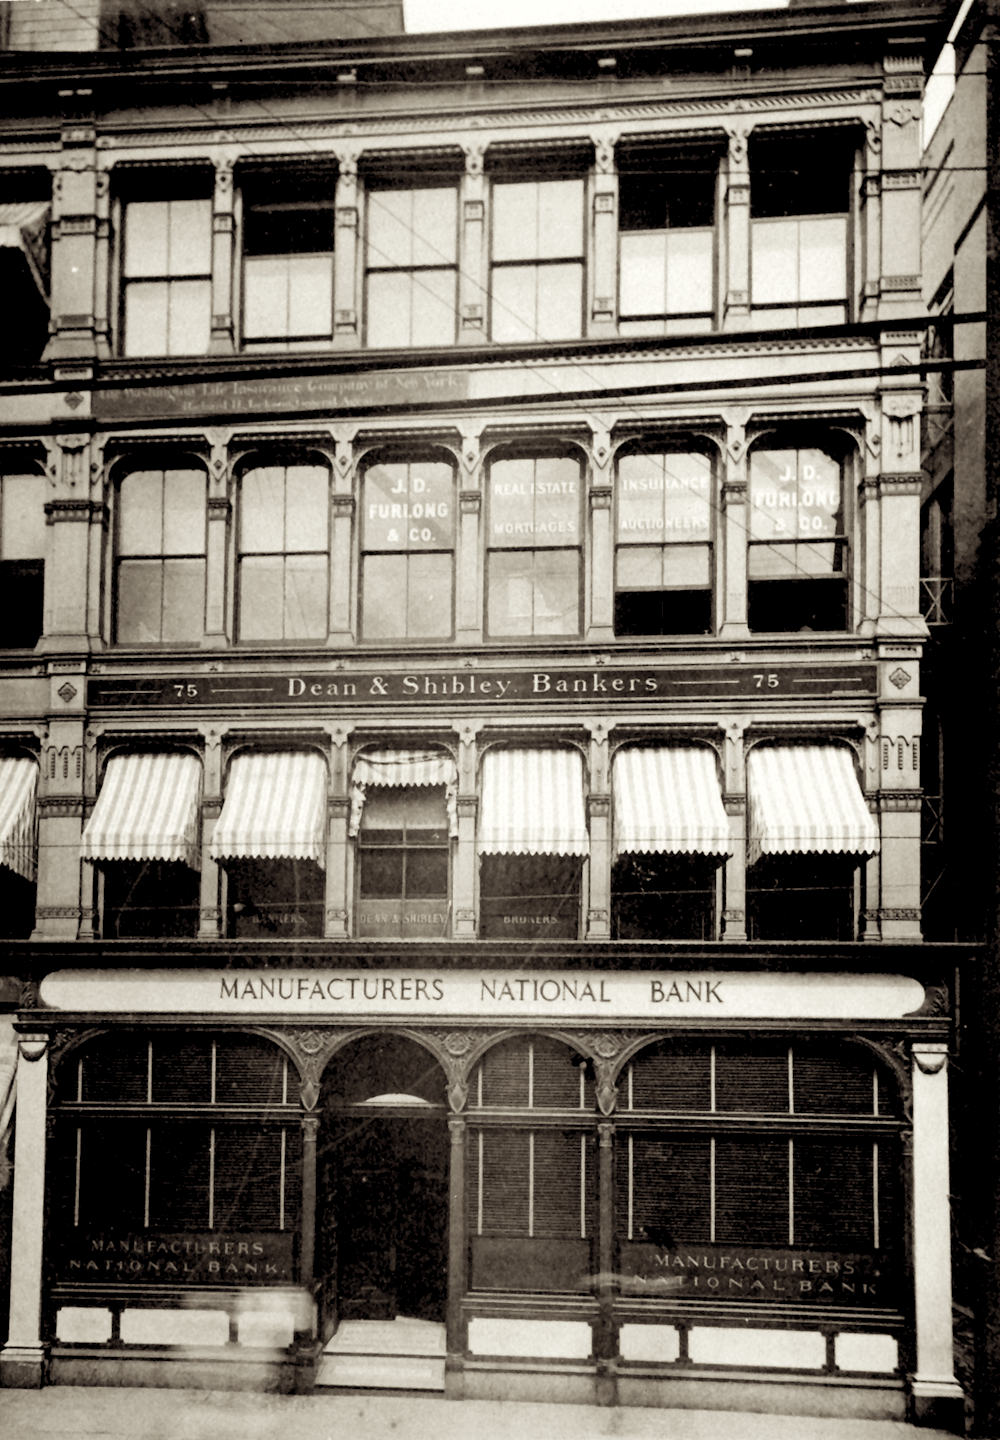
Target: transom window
284, 561
663, 563
160, 589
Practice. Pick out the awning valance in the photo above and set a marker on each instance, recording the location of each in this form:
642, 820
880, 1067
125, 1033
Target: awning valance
532, 803
806, 798
667, 800
18, 791
23, 226
404, 769
275, 808
149, 808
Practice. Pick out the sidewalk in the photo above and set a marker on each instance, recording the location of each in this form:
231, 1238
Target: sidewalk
71, 1412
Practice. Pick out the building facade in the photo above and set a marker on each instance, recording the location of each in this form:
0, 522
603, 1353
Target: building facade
461, 716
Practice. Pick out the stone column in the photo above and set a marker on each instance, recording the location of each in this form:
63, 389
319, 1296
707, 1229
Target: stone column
599, 817
733, 531
457, 1258
307, 1255
472, 291
464, 878
736, 277
734, 916
606, 1336
22, 1360
603, 296
223, 338
346, 329
937, 1396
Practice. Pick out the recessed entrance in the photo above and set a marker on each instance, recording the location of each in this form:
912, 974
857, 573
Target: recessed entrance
383, 1185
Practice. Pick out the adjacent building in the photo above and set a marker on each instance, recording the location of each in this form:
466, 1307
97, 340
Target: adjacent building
461, 712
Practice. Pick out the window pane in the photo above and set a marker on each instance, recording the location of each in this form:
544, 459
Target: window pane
390, 228
383, 589
310, 295
182, 1071
247, 1175
426, 873
389, 318
505, 1182
773, 562
112, 1149
774, 258
248, 1070
138, 603
819, 493
265, 299
428, 596
751, 1191
179, 1177
672, 1076
261, 597
689, 271
669, 495
643, 273
817, 558
409, 506
435, 217
773, 494
306, 589
184, 512
183, 599
433, 308
752, 1079
640, 567
557, 592
146, 318
381, 873
509, 594
189, 320
671, 1190
688, 566
141, 498
307, 490
823, 259
146, 236
560, 302
23, 517
515, 220
262, 511
560, 218
557, 1179
513, 308
834, 1193
535, 501
190, 237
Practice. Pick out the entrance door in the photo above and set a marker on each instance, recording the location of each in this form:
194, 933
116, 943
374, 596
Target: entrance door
386, 1217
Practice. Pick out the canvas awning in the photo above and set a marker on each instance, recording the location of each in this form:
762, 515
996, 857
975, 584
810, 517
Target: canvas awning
275, 808
806, 798
18, 792
404, 769
532, 803
667, 800
149, 808
8, 1084
23, 227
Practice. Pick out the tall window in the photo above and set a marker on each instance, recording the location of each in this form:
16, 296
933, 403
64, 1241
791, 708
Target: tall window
22, 562
407, 562
160, 590
288, 231
666, 216
284, 559
803, 1170
402, 860
663, 579
533, 570
412, 265
800, 197
167, 276
538, 249
532, 1182
797, 563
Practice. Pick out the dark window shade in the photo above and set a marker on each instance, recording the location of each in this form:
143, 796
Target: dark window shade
890, 1194
112, 1175
22, 584
116, 1068
831, 1084
671, 1076
671, 1190
248, 1072
752, 1079
751, 1191
834, 1193
154, 899
182, 1072
179, 1177
556, 1078
247, 1179
557, 1175
505, 1178
505, 1074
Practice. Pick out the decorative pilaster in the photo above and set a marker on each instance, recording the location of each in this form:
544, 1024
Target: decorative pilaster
102, 264
468, 584
734, 527
22, 1360
307, 1255
871, 222
210, 900
336, 899
900, 484
734, 921
464, 883
457, 1246
599, 816
606, 1333
62, 877
604, 240
736, 307
900, 281
74, 247
222, 341
936, 1395
346, 331
70, 513
601, 607
219, 512
472, 318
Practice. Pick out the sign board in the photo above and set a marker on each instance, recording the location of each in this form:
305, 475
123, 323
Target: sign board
150, 1258
740, 1272
484, 994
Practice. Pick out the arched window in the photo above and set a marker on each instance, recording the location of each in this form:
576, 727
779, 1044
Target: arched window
533, 561
408, 543
160, 556
664, 572
284, 552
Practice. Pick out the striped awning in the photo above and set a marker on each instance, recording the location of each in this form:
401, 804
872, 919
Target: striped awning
149, 808
275, 808
667, 800
18, 791
806, 798
532, 803
404, 769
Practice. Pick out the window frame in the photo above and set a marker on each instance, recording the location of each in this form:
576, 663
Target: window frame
23, 572
413, 459
365, 847
284, 461
376, 183
161, 185
165, 465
